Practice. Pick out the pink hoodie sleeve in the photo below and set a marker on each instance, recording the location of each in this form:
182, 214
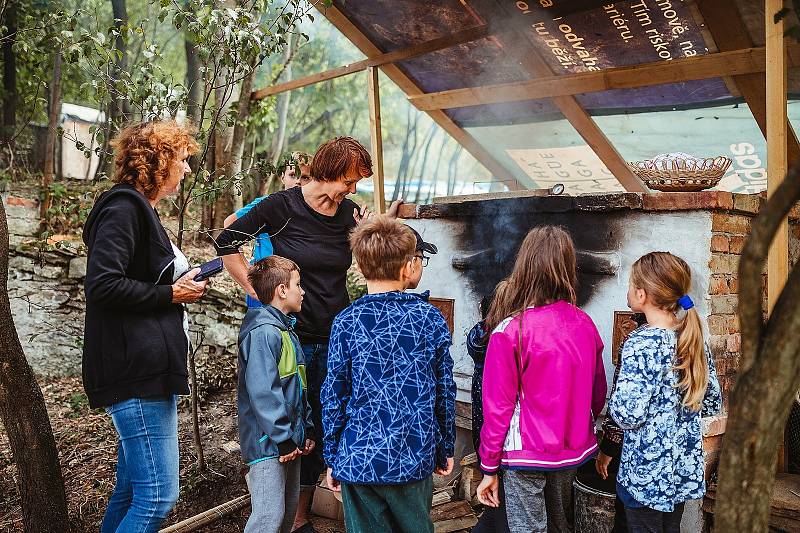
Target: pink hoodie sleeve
500, 384
600, 387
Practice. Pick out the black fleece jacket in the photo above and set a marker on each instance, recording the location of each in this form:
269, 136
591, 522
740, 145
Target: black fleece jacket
134, 342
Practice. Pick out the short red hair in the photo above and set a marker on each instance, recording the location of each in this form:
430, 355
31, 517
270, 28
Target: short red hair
144, 151
338, 156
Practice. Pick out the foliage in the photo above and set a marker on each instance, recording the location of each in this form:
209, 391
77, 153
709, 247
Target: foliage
70, 206
356, 286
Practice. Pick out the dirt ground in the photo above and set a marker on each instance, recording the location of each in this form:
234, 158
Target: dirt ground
87, 445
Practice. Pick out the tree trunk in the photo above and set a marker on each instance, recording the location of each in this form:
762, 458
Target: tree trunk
431, 135
195, 87
407, 150
282, 105
452, 170
194, 80
9, 74
119, 107
53, 114
24, 414
240, 132
222, 176
439, 159
769, 377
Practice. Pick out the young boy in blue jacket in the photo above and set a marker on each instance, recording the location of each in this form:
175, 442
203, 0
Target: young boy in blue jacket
275, 425
389, 397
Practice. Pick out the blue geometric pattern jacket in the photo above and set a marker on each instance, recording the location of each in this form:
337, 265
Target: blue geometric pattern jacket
389, 398
662, 454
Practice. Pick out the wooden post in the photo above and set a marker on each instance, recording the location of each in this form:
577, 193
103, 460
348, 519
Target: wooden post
377, 140
778, 259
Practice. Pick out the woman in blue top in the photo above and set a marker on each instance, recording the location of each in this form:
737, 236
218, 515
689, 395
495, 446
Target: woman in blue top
666, 383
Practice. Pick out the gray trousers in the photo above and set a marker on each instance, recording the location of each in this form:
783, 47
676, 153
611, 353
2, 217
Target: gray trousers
539, 502
274, 489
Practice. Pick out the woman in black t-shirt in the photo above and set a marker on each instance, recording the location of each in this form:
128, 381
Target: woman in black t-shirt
310, 225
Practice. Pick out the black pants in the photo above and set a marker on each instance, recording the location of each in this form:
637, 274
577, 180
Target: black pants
493, 519
647, 520
312, 465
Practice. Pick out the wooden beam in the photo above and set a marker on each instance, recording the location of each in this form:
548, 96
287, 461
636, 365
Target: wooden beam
726, 26
373, 91
407, 85
656, 73
574, 113
778, 259
460, 37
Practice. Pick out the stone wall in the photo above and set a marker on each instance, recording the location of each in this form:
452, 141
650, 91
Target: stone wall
47, 304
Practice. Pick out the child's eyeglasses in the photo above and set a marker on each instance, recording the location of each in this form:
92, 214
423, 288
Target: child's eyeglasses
423, 259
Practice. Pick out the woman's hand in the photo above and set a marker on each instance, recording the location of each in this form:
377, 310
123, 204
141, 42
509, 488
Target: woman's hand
489, 491
186, 290
394, 208
601, 464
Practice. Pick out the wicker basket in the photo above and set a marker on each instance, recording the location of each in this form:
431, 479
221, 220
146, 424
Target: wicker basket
676, 175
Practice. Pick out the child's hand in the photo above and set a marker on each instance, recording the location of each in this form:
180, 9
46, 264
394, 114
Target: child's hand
446, 470
309, 446
291, 456
601, 464
333, 483
489, 491
362, 215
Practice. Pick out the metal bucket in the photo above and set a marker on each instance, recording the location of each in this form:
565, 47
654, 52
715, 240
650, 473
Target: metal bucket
594, 508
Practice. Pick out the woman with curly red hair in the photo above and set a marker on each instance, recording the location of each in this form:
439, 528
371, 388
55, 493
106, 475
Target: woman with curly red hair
136, 336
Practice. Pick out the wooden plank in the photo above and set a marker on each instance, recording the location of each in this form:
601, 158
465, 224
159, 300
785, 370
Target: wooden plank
726, 26
441, 497
455, 524
573, 112
460, 37
407, 85
778, 259
376, 138
745, 61
489, 196
454, 509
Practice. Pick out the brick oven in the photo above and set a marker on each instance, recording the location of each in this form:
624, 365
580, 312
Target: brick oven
478, 237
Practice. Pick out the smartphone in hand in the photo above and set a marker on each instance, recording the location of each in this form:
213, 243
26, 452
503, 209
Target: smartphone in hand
211, 268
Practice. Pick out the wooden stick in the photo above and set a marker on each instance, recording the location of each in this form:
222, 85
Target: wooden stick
208, 517
572, 110
745, 61
778, 259
460, 37
376, 138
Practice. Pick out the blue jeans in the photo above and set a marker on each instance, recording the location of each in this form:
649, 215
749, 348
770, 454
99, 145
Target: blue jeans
147, 465
312, 465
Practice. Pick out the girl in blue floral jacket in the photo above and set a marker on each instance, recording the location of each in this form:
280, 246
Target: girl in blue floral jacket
666, 383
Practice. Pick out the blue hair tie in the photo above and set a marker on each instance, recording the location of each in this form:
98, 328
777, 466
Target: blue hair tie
685, 302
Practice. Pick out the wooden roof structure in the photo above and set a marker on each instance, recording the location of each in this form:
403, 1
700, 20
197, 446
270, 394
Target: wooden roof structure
470, 63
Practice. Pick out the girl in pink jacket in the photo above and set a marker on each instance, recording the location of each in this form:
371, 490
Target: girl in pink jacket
544, 384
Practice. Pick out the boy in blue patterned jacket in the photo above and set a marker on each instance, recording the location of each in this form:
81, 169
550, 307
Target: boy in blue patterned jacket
389, 397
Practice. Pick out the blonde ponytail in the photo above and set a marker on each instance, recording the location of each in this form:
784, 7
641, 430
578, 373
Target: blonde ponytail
691, 360
666, 278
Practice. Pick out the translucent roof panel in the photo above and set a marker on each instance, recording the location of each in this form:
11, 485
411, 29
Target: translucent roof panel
728, 130
571, 37
542, 154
